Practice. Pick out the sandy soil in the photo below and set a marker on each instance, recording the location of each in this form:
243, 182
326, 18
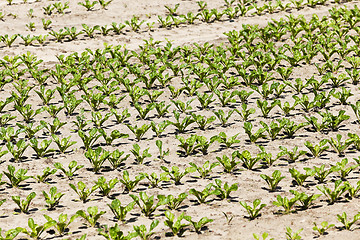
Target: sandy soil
251, 186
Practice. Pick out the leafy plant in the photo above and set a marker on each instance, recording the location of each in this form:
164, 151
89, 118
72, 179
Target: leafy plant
52, 198
24, 204
274, 180
120, 211
228, 164
333, 195
225, 190
93, 216
130, 184
343, 168
183, 124
116, 159
173, 202
305, 200
253, 211
139, 132
201, 196
46, 173
176, 227
82, 192
199, 224
286, 203
140, 157
17, 177
347, 224
145, 234
317, 150
89, 140
222, 138
324, 226
253, 137
97, 157
37, 230
73, 167
106, 187
338, 145
206, 169
147, 204
175, 173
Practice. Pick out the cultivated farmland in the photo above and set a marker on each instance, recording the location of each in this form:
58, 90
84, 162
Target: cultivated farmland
222, 119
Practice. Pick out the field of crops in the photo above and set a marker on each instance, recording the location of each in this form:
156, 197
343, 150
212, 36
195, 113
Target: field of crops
221, 119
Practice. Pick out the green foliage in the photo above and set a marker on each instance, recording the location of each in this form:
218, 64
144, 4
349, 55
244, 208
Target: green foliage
24, 204
73, 167
115, 233
97, 157
106, 187
93, 215
17, 177
305, 200
291, 235
228, 164
222, 138
333, 195
37, 230
147, 204
204, 170
130, 184
347, 223
139, 132
253, 137
299, 177
224, 191
343, 168
46, 173
272, 181
17, 150
248, 161
201, 196
172, 202
176, 227
286, 203
318, 149
199, 224
145, 234
82, 192
175, 173
52, 198
63, 222
253, 211
89, 140
338, 145
120, 211
324, 226
181, 125
140, 157
116, 159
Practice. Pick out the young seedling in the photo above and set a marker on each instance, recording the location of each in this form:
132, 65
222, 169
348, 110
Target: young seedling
89, 140
343, 168
253, 211
333, 195
292, 155
130, 184
317, 150
17, 177
147, 204
228, 164
305, 200
63, 222
114, 233
37, 230
338, 145
42, 149
201, 196
24, 204
93, 216
97, 158
73, 167
139, 132
159, 128
162, 153
198, 225
273, 181
181, 125
120, 211
257, 135
155, 180
203, 121
176, 227
11, 233
46, 173
82, 192
173, 203
347, 224
299, 177
175, 173
265, 109
17, 150
291, 235
106, 187
322, 228
222, 138
224, 191
244, 112
286, 203
140, 157
206, 169
320, 173
248, 161
264, 236
116, 159
145, 234
52, 198
188, 145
